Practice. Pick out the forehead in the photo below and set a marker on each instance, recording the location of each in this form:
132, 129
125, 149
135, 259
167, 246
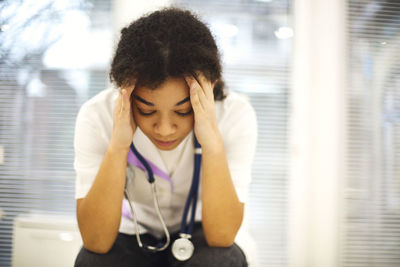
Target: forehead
172, 90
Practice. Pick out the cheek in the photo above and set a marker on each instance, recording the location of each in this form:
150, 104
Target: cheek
187, 124
139, 120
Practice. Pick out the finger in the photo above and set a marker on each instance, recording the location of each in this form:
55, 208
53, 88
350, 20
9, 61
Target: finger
123, 96
131, 88
202, 97
213, 84
196, 87
200, 91
128, 89
117, 104
126, 93
195, 101
205, 84
193, 83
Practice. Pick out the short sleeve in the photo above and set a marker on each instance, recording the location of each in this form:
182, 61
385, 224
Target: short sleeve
239, 131
90, 147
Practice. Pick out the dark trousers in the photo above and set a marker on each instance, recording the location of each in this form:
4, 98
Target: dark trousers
126, 253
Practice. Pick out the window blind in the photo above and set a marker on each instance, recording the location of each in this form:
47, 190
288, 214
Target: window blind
371, 226
43, 82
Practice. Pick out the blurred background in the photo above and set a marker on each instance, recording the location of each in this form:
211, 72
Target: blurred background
323, 77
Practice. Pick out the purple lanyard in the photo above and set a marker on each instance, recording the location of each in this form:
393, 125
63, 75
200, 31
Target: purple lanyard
135, 161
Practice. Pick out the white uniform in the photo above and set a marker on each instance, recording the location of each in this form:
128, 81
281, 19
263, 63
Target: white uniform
237, 124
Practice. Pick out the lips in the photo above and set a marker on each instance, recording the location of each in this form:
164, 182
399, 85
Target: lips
165, 143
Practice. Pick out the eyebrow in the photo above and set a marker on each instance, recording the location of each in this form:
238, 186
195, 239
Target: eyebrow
143, 101
152, 104
183, 101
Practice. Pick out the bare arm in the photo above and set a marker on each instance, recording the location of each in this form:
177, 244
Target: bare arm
222, 212
99, 213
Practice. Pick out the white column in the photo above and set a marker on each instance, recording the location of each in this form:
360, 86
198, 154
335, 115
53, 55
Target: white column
125, 11
317, 133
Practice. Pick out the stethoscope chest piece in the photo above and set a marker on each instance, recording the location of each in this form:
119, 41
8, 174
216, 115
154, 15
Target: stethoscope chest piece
182, 248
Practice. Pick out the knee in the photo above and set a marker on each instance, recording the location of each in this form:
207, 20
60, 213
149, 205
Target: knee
82, 258
219, 257
87, 258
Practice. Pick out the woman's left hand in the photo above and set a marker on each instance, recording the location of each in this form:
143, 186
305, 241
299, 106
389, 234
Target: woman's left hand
205, 121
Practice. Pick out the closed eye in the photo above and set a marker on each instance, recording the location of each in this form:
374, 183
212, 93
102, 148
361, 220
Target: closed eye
184, 113
144, 113
141, 112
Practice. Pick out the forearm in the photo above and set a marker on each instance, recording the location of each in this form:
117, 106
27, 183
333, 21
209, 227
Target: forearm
99, 213
222, 212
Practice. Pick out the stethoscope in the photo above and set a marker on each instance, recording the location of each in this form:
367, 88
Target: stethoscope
182, 248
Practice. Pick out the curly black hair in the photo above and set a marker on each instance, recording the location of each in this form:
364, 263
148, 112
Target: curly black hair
166, 43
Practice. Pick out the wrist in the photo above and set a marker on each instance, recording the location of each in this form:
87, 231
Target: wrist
117, 149
214, 148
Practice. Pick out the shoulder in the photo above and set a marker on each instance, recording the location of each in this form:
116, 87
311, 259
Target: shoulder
234, 108
95, 119
233, 104
98, 108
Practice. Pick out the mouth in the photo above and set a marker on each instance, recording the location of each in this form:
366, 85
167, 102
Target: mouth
165, 143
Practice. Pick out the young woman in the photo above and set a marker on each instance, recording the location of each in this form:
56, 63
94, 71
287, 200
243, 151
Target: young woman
147, 195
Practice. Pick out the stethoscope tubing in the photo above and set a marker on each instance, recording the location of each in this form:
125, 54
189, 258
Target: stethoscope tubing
191, 200
144, 162
193, 193
161, 219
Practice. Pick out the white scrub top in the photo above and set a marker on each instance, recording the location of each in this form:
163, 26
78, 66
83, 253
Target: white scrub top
237, 124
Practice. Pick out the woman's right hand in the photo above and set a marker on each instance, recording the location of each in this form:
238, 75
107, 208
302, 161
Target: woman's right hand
124, 125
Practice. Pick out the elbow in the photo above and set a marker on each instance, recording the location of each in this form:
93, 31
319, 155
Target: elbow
220, 243
97, 246
222, 232
222, 239
98, 242
217, 235
97, 238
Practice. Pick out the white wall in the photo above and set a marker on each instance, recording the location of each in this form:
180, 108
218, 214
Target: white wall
317, 132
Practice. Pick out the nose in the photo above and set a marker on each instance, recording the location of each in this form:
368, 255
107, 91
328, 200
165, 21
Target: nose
164, 126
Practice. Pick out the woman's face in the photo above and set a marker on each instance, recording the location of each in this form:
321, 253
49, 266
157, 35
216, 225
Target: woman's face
165, 114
